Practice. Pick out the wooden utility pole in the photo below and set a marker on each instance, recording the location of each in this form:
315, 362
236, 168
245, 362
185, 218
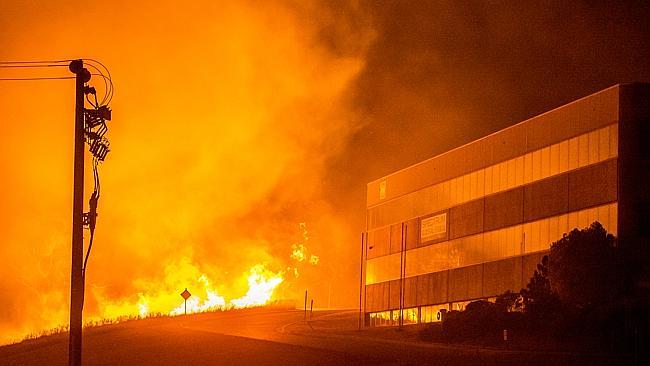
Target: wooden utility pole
76, 275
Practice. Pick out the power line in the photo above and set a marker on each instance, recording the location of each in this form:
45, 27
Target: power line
11, 66
38, 78
104, 74
34, 62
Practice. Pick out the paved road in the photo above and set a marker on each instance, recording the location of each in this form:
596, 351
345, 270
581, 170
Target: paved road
260, 337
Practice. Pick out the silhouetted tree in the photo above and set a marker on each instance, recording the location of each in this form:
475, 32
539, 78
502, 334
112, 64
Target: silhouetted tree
538, 299
586, 268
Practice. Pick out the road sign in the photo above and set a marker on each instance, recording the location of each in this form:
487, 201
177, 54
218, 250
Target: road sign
186, 294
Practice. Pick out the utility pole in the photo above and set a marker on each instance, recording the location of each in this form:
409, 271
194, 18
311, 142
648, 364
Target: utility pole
76, 275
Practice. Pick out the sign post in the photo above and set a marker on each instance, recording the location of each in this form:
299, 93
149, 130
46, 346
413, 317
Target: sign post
185, 295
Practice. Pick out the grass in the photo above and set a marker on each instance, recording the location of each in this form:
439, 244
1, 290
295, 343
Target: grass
61, 329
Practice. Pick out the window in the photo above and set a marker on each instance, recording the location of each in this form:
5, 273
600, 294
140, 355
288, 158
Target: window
593, 147
544, 240
473, 185
410, 315
603, 144
488, 180
512, 173
537, 165
431, 314
446, 194
583, 150
554, 229
563, 225
453, 192
528, 168
564, 156
546, 162
519, 171
555, 159
573, 221
574, 152
503, 176
613, 140
583, 219
480, 183
603, 216
382, 189
613, 218
534, 237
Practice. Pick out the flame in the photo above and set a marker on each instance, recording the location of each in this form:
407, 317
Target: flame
298, 252
261, 285
196, 304
274, 78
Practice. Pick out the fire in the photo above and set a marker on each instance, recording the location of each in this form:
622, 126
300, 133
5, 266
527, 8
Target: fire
298, 252
269, 104
261, 285
196, 304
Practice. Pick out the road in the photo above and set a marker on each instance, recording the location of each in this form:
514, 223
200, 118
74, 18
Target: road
262, 337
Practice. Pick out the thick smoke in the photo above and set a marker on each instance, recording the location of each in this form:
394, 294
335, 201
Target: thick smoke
225, 117
442, 73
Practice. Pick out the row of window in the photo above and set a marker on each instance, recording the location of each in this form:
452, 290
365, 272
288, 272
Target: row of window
421, 314
577, 152
590, 186
489, 246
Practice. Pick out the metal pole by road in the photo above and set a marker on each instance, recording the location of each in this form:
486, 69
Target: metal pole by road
76, 274
363, 235
311, 309
305, 316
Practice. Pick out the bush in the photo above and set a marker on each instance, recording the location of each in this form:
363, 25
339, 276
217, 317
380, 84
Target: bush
480, 319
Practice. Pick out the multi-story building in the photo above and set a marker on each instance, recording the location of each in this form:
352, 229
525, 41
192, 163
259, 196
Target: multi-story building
475, 221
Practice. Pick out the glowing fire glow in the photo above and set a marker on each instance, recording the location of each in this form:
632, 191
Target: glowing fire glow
261, 285
298, 252
196, 305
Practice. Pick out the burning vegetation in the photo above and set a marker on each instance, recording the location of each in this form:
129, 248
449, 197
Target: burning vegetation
225, 118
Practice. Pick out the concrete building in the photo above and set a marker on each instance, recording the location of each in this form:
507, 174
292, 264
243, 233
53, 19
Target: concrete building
475, 221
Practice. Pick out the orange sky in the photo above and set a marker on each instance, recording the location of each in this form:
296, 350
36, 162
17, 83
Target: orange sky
224, 117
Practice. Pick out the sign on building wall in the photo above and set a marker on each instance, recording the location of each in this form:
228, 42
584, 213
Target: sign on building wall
382, 189
433, 228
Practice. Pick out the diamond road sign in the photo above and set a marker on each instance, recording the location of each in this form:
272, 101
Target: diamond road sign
186, 294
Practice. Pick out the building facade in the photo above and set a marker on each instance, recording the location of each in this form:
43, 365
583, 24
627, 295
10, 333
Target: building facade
475, 221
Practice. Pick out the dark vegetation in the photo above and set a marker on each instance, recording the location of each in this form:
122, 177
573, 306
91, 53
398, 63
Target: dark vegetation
580, 298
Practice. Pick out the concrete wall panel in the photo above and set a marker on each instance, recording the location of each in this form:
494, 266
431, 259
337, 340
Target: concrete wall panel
410, 292
504, 209
466, 283
378, 243
529, 265
501, 276
593, 185
395, 238
545, 198
466, 219
432, 288
394, 288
